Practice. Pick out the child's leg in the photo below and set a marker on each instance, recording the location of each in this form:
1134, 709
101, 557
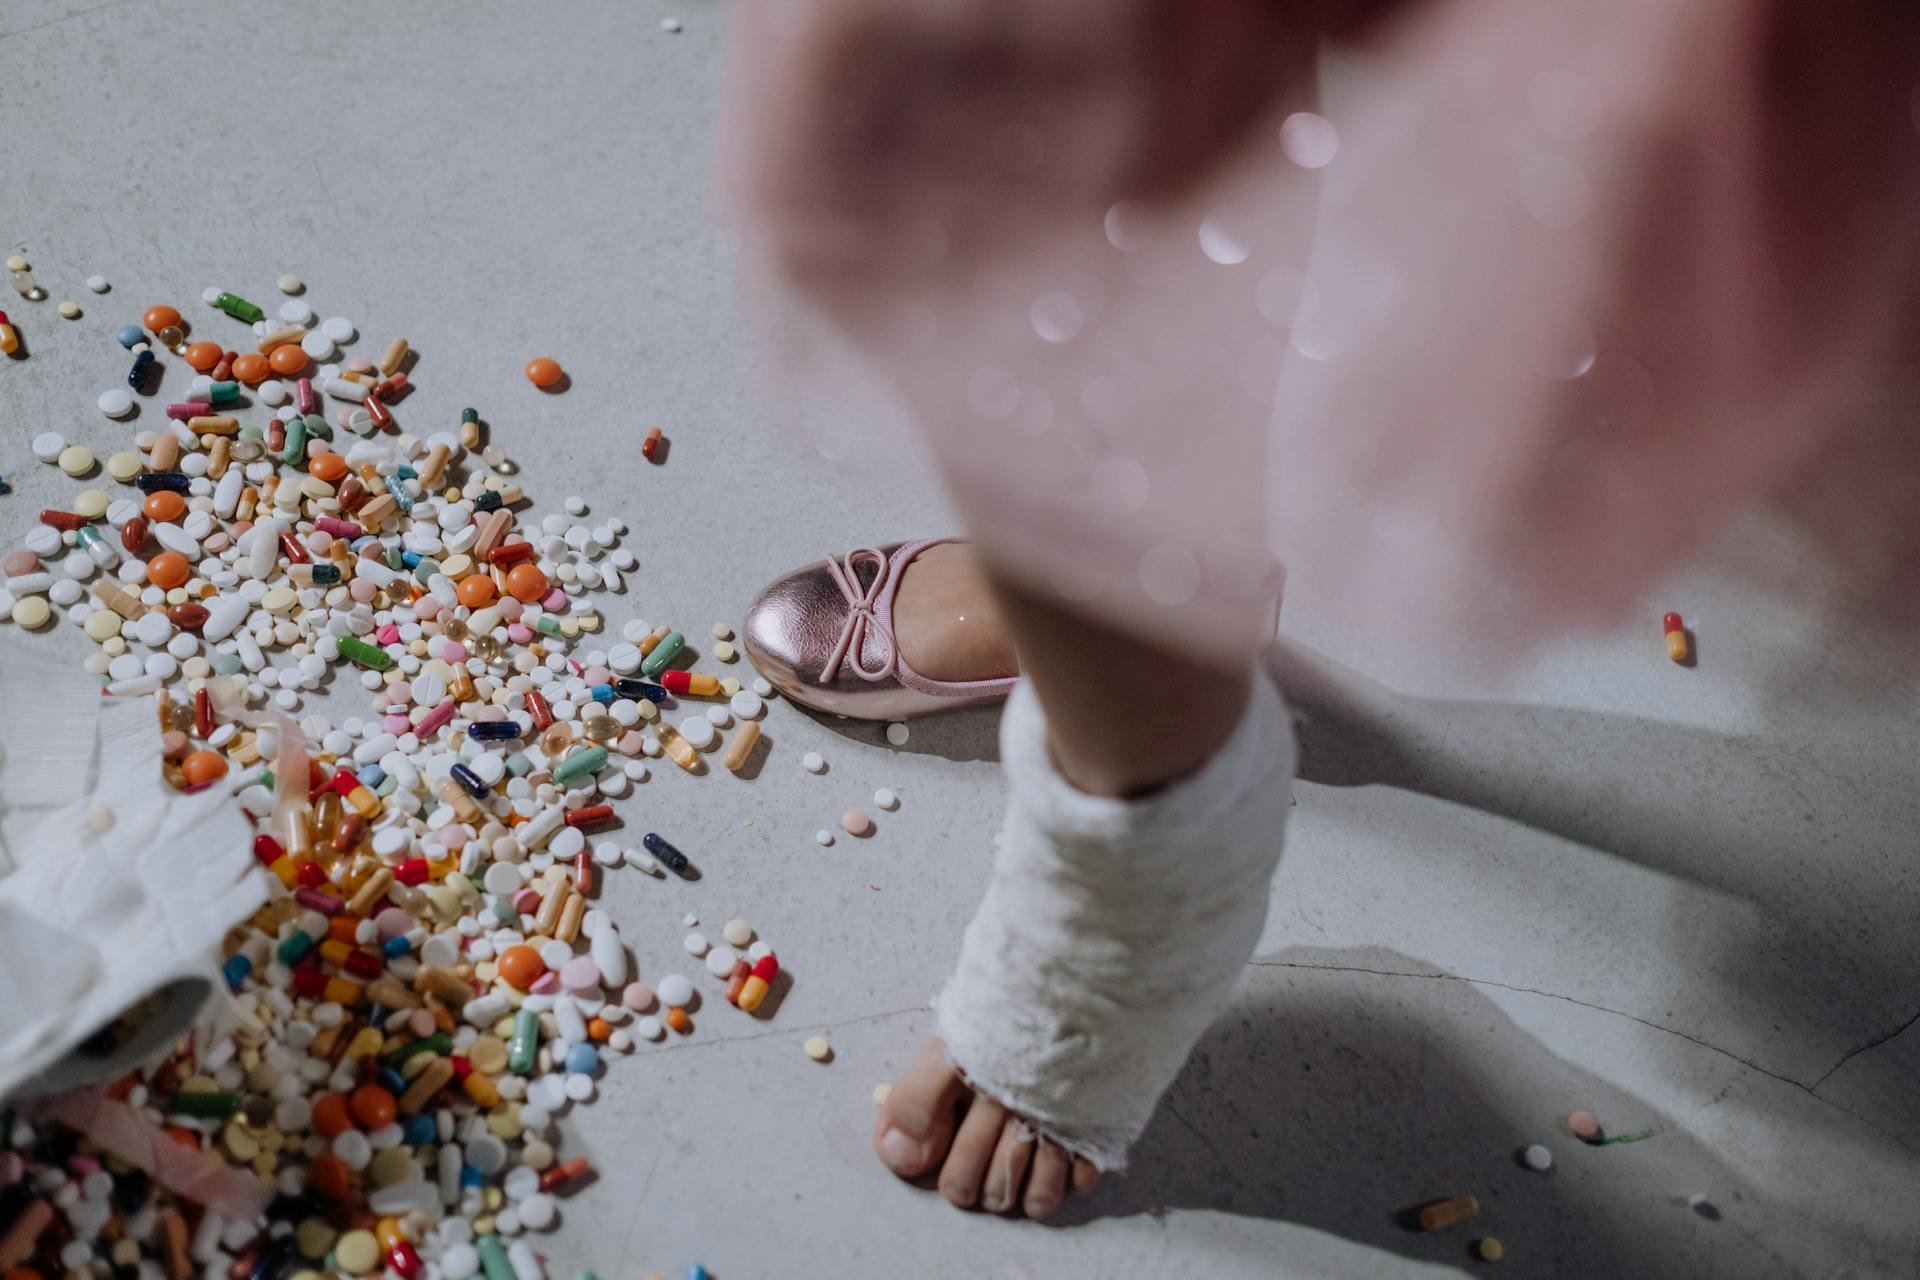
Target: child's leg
1111, 720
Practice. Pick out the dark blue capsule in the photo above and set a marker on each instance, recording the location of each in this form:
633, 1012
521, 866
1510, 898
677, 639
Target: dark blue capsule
153, 481
236, 969
493, 730
472, 1177
488, 501
141, 371
325, 575
405, 472
377, 1016
395, 1083
639, 689
469, 781
672, 857
397, 946
421, 1129
275, 1261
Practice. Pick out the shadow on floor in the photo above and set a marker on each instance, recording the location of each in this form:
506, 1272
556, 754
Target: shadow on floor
1336, 1101
1818, 838
971, 734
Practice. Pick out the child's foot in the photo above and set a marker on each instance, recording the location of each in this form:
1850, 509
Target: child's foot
1111, 935
987, 1156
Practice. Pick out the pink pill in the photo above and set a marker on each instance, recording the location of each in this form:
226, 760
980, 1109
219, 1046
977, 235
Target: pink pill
392, 923
361, 589
628, 743
519, 634
426, 608
1583, 1124
388, 634
454, 651
318, 542
596, 675
856, 822
547, 984
19, 562
216, 543
399, 693
360, 364
554, 601
526, 901
638, 997
421, 1020
580, 974
396, 724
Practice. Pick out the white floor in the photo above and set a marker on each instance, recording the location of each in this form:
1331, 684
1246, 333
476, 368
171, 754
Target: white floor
1684, 898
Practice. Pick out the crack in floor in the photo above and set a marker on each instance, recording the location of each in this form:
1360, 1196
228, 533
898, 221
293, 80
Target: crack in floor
780, 1031
1855, 1052
1808, 1089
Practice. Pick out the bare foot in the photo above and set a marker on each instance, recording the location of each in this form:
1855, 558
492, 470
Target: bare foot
946, 620
931, 1119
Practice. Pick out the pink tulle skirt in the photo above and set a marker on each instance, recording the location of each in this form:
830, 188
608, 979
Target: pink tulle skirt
1483, 313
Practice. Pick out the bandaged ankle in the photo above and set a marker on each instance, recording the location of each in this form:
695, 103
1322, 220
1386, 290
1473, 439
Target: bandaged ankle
1112, 931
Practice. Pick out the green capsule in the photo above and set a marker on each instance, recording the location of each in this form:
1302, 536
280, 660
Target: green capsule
525, 1042
494, 1264
239, 308
223, 392
437, 1043
548, 624
296, 450
580, 764
206, 1103
317, 428
663, 653
362, 654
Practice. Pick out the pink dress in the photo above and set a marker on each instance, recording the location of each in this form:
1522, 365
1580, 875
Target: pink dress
1512, 312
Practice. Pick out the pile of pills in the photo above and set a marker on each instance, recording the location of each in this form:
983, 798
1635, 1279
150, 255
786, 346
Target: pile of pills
428, 985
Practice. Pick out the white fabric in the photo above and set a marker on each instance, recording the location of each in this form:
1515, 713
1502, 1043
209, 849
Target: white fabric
1113, 931
96, 917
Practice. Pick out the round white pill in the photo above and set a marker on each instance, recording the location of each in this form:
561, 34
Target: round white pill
47, 446
720, 961
824, 836
296, 312
318, 344
747, 705
719, 716
1538, 1158
274, 392
339, 328
762, 687
738, 932
648, 1029
674, 990
897, 734
624, 658
290, 283
886, 799
538, 1212
576, 505
116, 402
813, 762
97, 283
696, 944
698, 730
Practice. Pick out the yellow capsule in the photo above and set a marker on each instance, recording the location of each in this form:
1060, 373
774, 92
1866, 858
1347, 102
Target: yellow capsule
741, 745
1677, 645
678, 749
9, 337
481, 1090
1445, 1213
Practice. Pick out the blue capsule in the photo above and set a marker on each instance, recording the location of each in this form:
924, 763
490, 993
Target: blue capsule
628, 688
405, 472
472, 1177
392, 1080
421, 1129
153, 481
602, 693
131, 336
397, 946
493, 730
236, 969
410, 559
469, 781
667, 854
372, 776
143, 367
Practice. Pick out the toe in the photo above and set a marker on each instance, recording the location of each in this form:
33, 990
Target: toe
1008, 1170
973, 1146
1083, 1177
916, 1122
1047, 1184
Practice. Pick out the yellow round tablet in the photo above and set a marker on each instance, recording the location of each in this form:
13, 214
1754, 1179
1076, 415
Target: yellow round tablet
103, 625
125, 466
91, 503
723, 650
357, 1253
31, 611
818, 1048
76, 460
313, 1237
278, 600
457, 566
114, 647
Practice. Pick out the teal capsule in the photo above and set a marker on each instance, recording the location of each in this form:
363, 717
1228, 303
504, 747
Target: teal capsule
547, 624
663, 653
239, 308
205, 1103
223, 392
580, 764
494, 1264
296, 450
525, 1042
362, 654
293, 948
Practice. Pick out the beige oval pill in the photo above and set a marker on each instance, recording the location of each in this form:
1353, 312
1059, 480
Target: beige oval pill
124, 467
278, 600
31, 612
457, 566
76, 460
315, 487
91, 503
102, 625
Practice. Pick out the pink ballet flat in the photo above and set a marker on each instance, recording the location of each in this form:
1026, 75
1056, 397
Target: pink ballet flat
823, 636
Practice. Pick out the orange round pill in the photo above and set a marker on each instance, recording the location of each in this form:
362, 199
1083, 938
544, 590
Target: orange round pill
526, 583
167, 570
328, 1178
164, 504
373, 1107
330, 467
543, 371
521, 966
158, 318
202, 356
203, 767
475, 590
331, 1118
251, 369
287, 359
599, 1029
677, 1019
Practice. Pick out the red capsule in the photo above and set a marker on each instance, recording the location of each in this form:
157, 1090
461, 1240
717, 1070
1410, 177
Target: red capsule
462, 1067
188, 616
391, 389
567, 1173
312, 874
203, 712
276, 436
315, 900
295, 549
190, 409
267, 850
352, 826
537, 708
652, 444
510, 553
303, 397
404, 1259
737, 979
352, 494
309, 981
1671, 622
62, 519
412, 871
588, 816
583, 874
133, 534
377, 410
223, 368
361, 963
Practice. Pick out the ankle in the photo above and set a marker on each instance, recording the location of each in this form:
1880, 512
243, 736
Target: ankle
1131, 757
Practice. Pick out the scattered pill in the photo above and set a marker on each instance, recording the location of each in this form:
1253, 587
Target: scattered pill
48, 445
1583, 1124
813, 762
116, 402
97, 283
76, 460
1676, 634
1538, 1158
897, 734
1491, 1250
885, 798
881, 1092
823, 836
543, 372
855, 822
1442, 1214
70, 309
289, 284
818, 1048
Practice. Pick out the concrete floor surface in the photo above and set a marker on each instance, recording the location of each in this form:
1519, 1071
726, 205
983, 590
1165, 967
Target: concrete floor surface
1684, 898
